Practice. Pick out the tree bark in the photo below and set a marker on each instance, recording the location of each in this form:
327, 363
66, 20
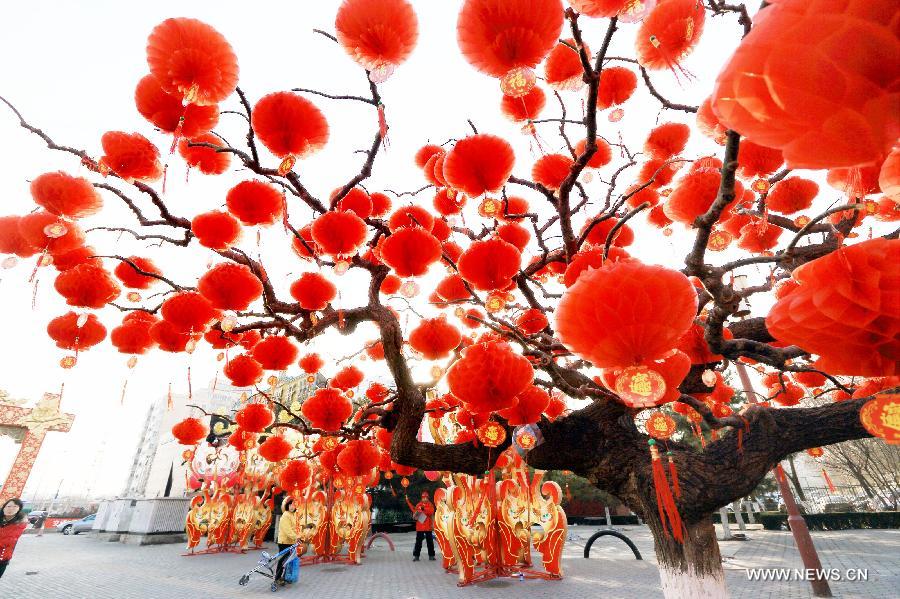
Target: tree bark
693, 568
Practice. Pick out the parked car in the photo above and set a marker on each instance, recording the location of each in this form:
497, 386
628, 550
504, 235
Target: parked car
73, 528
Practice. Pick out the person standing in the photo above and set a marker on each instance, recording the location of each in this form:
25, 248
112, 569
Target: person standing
39, 523
12, 525
287, 536
423, 513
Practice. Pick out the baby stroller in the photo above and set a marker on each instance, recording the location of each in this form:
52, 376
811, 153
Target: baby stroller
266, 567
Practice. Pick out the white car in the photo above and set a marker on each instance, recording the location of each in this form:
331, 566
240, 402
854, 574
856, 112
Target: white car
73, 528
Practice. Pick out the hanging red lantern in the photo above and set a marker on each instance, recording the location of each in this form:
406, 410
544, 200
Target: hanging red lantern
491, 434
255, 203
131, 156
599, 232
347, 378
640, 386
339, 233
311, 363
11, 239
694, 195
755, 160
189, 311
617, 85
205, 159
479, 164
170, 338
772, 88
313, 291
295, 477
72, 258
881, 417
667, 140
243, 371
759, 236
791, 195
410, 216
501, 38
86, 286
254, 417
489, 376
551, 170
381, 203
660, 426
625, 313
563, 70
448, 201
131, 278
840, 310
524, 108
378, 34
230, 286
167, 112
76, 332
327, 409
355, 200
44, 231
250, 338
515, 234
358, 458
409, 251
216, 230
815, 452
189, 431
275, 352
133, 335
529, 406
669, 33
602, 155
489, 264
435, 338
219, 339
275, 449
532, 321
290, 126
64, 195
600, 8
189, 58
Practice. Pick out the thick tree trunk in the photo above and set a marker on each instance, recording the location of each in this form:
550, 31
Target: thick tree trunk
693, 569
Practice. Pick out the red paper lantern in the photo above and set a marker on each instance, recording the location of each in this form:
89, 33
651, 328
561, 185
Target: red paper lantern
844, 310
391, 285
489, 376
255, 203
515, 234
555, 408
67, 333
131, 278
381, 203
347, 378
219, 339
489, 264
250, 338
759, 236
514, 205
657, 173
598, 234
377, 34
452, 288
64, 195
602, 156
189, 58
243, 371
311, 363
669, 33
448, 202
563, 69
295, 477
166, 111
339, 233
230, 286
313, 291
72, 258
410, 216
275, 352
810, 380
133, 335
524, 108
289, 125
327, 409
216, 230
802, 81
86, 286
532, 321
44, 231
551, 170
792, 195
667, 140
207, 160
479, 164
755, 160
600, 8
617, 85
130, 156
356, 200
410, 251
496, 36
530, 403
254, 417
695, 194
625, 313
660, 426
11, 239
188, 311
189, 431
358, 458
170, 338
275, 449
491, 434
435, 338
708, 123
879, 417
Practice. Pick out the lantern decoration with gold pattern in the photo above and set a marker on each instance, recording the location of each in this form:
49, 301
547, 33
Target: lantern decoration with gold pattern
881, 417
640, 387
660, 426
491, 433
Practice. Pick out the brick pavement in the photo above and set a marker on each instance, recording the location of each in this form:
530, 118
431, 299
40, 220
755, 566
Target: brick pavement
57, 566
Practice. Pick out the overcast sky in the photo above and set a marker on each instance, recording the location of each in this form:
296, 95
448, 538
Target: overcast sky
71, 68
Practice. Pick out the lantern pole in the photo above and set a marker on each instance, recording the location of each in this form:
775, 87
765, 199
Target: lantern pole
797, 524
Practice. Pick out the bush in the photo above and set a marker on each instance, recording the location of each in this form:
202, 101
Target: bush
731, 519
837, 521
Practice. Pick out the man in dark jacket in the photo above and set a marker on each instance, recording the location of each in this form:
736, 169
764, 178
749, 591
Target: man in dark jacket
423, 513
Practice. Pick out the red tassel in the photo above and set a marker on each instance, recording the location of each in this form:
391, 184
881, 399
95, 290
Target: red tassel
740, 447
828, 482
673, 472
382, 123
665, 503
568, 493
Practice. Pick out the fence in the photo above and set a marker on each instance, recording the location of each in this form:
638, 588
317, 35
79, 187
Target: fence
848, 498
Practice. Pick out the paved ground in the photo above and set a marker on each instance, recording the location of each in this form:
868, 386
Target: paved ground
57, 566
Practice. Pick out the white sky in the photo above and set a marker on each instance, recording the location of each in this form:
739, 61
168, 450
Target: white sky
71, 68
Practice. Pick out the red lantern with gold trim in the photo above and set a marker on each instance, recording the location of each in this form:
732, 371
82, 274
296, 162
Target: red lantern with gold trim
491, 433
660, 425
881, 417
